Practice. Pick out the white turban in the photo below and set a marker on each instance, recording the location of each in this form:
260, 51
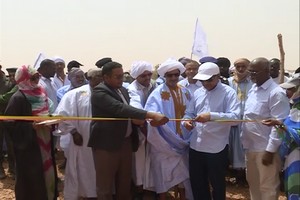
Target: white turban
139, 67
170, 65
57, 59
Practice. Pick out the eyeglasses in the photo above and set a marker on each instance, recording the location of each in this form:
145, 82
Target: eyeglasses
145, 75
253, 73
209, 80
171, 75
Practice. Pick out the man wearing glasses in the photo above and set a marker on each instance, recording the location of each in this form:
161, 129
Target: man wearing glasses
208, 152
266, 100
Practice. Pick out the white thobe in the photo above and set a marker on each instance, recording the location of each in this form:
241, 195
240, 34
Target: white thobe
80, 175
138, 96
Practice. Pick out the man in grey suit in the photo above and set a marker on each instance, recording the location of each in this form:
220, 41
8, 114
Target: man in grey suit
113, 141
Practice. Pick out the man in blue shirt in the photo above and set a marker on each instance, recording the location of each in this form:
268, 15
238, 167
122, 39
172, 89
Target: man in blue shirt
209, 140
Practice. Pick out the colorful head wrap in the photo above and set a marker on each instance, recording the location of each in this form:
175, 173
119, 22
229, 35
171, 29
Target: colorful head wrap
35, 94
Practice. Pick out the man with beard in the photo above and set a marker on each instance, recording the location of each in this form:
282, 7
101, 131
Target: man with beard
241, 83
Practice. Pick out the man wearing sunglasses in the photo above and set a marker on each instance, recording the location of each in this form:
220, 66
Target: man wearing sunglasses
167, 146
208, 152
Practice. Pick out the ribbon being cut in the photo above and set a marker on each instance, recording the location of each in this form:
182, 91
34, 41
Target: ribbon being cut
48, 120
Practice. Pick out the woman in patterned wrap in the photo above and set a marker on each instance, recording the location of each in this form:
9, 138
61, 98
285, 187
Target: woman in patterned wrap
35, 172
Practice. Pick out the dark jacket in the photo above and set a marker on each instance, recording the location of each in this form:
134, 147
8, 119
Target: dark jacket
109, 135
30, 182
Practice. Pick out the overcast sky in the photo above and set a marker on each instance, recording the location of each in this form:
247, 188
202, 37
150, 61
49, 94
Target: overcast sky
129, 30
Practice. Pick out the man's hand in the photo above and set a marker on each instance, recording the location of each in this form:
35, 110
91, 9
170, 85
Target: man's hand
204, 117
271, 122
157, 119
77, 138
267, 158
188, 125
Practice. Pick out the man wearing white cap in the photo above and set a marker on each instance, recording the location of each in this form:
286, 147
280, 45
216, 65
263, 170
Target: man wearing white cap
60, 79
167, 147
208, 152
139, 91
80, 176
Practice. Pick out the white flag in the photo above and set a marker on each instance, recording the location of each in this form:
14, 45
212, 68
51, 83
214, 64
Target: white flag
200, 48
38, 60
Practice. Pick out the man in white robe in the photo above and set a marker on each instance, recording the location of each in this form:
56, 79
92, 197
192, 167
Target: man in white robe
167, 147
139, 91
80, 175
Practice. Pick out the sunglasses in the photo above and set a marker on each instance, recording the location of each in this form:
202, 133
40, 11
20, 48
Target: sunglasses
171, 75
209, 80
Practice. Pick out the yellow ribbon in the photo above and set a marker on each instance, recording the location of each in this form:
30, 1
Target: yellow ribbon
42, 118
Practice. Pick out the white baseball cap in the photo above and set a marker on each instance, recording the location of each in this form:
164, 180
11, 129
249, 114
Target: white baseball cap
294, 81
206, 71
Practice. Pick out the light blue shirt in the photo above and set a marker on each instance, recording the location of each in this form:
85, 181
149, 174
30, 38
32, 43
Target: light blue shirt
221, 102
190, 86
48, 85
62, 91
264, 102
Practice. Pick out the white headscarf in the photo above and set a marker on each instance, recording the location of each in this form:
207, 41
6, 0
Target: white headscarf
139, 67
169, 65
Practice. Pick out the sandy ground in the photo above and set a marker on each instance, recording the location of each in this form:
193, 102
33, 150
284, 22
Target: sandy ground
233, 191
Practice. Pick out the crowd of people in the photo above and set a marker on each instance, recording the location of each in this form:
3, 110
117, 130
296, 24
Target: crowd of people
143, 134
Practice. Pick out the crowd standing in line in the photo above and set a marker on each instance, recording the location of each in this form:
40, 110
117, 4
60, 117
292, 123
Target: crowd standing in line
143, 149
